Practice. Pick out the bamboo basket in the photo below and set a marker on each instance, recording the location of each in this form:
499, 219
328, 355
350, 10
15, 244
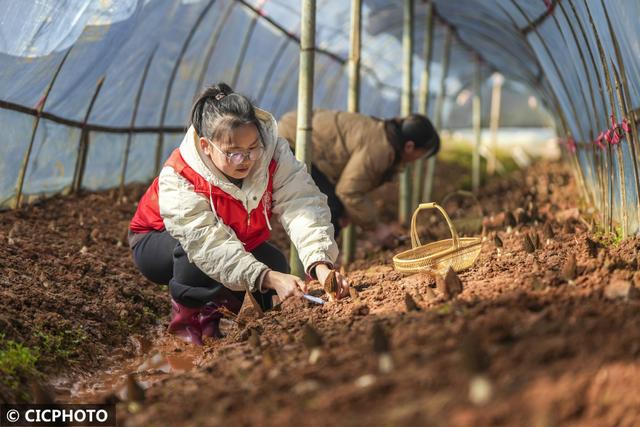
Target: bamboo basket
435, 258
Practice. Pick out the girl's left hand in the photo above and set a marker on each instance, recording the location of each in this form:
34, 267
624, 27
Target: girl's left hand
322, 271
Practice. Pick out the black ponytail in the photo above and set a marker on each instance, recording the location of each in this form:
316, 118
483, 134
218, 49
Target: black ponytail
218, 110
420, 130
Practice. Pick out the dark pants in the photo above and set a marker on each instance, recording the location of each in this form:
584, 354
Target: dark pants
161, 259
335, 205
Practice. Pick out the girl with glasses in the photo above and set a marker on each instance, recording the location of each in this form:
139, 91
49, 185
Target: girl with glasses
203, 224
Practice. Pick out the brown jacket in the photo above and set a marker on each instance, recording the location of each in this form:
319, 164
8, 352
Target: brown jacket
353, 152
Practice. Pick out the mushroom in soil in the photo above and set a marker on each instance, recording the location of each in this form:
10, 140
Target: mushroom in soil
527, 244
331, 286
450, 285
410, 303
312, 340
382, 347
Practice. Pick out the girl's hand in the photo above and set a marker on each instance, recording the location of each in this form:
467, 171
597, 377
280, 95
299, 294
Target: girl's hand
285, 285
322, 271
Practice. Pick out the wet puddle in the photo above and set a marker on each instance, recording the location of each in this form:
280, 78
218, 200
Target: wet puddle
158, 359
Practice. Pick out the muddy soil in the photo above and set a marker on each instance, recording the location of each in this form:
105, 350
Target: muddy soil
530, 340
526, 343
69, 294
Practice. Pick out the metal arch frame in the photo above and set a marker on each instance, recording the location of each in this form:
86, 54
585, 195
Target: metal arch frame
83, 143
581, 87
174, 71
134, 115
596, 158
270, 70
607, 78
318, 50
281, 83
624, 102
553, 98
38, 115
243, 51
553, 61
212, 45
603, 121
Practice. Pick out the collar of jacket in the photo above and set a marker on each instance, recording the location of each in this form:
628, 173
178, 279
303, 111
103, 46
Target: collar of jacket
255, 183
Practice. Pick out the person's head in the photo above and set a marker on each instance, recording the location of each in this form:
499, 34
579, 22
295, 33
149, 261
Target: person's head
229, 131
419, 137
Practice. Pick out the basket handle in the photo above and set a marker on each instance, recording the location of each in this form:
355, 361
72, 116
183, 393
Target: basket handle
415, 240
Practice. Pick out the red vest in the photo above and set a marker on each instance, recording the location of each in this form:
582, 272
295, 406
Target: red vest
250, 228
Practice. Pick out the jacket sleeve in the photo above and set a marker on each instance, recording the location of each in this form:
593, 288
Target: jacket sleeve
302, 209
361, 175
209, 243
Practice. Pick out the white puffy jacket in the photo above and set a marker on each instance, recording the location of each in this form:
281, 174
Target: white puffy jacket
213, 246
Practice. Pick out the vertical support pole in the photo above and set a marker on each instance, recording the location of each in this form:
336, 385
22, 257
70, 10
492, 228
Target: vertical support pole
431, 163
353, 105
305, 102
496, 98
404, 211
477, 128
423, 104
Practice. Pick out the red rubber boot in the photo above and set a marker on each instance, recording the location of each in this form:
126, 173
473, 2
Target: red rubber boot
210, 316
185, 323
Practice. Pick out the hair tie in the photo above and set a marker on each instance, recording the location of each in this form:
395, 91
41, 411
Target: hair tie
220, 96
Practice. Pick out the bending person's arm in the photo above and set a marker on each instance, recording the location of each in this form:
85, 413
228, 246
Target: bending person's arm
303, 210
362, 174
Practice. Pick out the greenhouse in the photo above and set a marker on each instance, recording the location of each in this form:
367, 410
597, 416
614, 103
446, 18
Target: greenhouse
431, 206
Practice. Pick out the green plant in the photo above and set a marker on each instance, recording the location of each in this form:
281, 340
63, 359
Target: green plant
16, 362
60, 347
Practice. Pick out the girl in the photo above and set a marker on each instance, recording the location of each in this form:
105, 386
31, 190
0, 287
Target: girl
203, 224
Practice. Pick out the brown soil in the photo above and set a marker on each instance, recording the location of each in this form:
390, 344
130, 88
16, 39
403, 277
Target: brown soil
553, 352
520, 346
68, 289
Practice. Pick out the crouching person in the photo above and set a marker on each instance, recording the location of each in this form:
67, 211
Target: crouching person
203, 224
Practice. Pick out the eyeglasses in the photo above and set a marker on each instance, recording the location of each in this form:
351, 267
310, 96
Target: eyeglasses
237, 157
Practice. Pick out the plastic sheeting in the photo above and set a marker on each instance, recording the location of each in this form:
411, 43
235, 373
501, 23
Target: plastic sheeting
125, 73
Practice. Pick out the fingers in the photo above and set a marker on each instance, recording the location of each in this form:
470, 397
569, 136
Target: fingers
302, 286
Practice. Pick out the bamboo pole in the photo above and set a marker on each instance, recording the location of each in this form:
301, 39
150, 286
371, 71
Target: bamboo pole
423, 104
494, 124
353, 105
404, 211
305, 102
431, 163
83, 144
41, 104
477, 128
